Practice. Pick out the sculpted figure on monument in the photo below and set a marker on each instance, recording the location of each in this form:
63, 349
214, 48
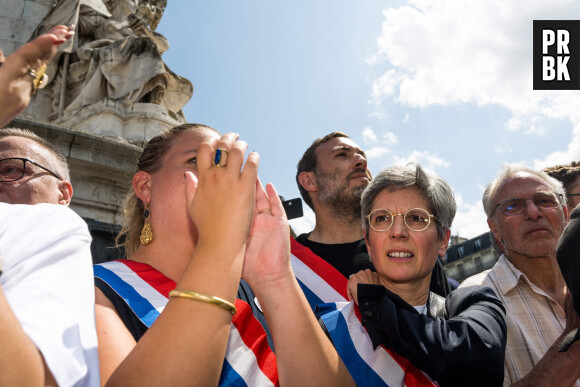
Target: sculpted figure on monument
116, 56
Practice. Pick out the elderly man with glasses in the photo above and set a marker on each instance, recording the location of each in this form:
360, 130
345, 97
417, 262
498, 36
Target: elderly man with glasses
47, 320
32, 170
526, 211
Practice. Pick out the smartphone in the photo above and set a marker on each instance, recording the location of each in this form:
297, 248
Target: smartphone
293, 208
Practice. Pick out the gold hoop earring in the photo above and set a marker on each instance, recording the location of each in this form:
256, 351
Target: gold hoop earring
146, 233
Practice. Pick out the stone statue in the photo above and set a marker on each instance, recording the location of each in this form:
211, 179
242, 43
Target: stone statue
115, 56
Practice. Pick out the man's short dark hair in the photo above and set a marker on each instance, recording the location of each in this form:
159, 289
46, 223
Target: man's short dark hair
566, 174
309, 162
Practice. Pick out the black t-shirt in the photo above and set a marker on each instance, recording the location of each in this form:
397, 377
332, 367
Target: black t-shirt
350, 258
347, 258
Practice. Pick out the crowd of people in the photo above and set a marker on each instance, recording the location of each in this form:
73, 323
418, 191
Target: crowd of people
214, 291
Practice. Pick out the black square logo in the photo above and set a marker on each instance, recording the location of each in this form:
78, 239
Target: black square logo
556, 55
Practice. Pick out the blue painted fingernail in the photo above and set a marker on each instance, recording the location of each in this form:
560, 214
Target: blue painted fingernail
218, 156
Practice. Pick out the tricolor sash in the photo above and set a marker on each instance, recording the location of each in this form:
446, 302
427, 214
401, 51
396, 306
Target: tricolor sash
249, 361
319, 280
325, 288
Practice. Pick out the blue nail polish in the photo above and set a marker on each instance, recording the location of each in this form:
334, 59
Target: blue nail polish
218, 156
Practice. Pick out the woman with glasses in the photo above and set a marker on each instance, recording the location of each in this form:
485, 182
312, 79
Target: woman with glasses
458, 340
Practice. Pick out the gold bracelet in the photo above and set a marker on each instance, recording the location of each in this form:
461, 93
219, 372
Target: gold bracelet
219, 302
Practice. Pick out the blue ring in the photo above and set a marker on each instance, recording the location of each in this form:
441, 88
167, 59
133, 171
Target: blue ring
218, 156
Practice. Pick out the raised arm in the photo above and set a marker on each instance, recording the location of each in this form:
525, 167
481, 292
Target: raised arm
15, 74
304, 354
469, 341
187, 342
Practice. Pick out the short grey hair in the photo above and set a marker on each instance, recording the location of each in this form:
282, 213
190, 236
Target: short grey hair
432, 187
57, 162
509, 170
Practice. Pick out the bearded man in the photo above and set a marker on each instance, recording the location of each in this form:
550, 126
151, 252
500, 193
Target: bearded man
331, 176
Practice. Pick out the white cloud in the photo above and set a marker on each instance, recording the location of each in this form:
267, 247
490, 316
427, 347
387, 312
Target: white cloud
369, 136
407, 118
384, 86
378, 115
565, 156
425, 158
390, 138
503, 148
470, 220
448, 52
376, 152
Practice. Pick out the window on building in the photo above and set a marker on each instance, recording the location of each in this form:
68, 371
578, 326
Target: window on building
461, 271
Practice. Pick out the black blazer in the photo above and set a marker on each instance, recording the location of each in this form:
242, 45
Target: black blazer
460, 343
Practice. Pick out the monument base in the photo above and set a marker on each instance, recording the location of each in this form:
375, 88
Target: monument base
135, 123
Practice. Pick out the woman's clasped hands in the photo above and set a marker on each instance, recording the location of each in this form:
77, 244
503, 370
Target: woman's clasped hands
221, 199
267, 258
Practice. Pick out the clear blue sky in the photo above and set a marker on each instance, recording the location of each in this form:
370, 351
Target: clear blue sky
445, 83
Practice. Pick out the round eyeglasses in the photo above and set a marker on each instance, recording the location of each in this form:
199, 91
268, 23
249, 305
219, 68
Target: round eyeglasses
13, 169
516, 206
416, 219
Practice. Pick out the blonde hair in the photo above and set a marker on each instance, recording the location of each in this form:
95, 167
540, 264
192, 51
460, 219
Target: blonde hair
150, 161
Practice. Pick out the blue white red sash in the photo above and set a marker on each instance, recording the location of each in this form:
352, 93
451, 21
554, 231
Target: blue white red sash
368, 367
325, 287
319, 280
249, 361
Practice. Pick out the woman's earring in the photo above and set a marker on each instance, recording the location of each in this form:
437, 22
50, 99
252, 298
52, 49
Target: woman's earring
370, 258
146, 233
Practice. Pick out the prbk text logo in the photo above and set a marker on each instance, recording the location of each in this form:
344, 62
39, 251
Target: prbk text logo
556, 55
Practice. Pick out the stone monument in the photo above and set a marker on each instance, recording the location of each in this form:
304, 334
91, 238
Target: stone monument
111, 79
109, 91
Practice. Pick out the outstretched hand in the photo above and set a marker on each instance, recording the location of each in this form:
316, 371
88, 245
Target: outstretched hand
14, 74
362, 277
267, 256
221, 200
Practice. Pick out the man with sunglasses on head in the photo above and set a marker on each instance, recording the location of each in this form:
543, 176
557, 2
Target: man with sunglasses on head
47, 321
526, 211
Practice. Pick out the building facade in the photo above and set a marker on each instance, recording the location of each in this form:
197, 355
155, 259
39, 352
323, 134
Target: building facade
469, 257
